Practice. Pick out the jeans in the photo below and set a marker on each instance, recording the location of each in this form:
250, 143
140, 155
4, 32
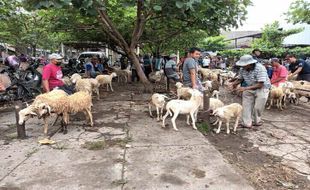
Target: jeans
253, 103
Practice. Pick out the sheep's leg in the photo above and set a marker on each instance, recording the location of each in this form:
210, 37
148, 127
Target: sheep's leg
164, 118
193, 120
107, 87
65, 122
173, 121
97, 92
236, 124
227, 127
161, 112
271, 102
157, 111
187, 120
219, 127
90, 117
150, 110
111, 87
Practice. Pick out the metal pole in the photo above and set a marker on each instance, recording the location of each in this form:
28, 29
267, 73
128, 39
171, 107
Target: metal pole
21, 131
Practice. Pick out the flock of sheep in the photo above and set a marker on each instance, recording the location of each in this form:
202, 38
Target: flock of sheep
188, 101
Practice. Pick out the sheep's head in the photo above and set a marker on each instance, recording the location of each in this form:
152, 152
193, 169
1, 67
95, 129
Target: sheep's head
179, 85
218, 112
25, 114
113, 74
43, 109
75, 77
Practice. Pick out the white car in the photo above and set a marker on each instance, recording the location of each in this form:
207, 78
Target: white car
89, 54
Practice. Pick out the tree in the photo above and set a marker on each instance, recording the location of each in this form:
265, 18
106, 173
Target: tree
125, 22
215, 43
299, 12
272, 36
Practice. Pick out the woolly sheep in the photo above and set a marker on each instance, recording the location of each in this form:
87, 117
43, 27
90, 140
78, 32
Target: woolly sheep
225, 113
86, 85
122, 73
158, 100
276, 94
106, 79
183, 92
184, 107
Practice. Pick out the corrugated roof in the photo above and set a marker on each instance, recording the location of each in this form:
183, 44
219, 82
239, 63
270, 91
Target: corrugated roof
301, 38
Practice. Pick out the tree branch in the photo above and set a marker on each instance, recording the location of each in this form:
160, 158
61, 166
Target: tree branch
139, 25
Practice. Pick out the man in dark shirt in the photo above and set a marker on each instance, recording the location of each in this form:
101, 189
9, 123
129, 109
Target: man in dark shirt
298, 67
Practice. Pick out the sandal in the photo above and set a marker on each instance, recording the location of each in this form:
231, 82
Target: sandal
246, 127
258, 124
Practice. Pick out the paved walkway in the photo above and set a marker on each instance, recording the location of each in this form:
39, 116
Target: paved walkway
134, 153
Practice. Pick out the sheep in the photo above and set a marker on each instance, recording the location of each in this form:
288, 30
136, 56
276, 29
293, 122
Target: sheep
215, 94
212, 85
208, 74
122, 73
184, 107
276, 94
106, 79
60, 103
66, 80
5, 80
214, 104
292, 97
183, 92
158, 100
225, 113
42, 106
86, 85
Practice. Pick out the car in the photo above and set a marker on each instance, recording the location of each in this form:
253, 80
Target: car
89, 54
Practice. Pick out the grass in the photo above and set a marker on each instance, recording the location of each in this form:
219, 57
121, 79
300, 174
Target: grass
100, 145
203, 128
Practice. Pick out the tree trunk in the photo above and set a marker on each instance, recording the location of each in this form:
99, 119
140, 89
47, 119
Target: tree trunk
134, 59
34, 50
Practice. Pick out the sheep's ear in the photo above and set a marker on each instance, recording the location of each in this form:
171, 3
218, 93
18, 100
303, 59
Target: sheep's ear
33, 113
48, 108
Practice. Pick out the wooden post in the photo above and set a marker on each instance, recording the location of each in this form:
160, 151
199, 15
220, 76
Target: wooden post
206, 106
21, 131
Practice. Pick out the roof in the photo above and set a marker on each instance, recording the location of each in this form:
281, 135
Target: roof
300, 39
232, 35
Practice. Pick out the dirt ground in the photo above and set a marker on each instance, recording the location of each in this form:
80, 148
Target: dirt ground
263, 169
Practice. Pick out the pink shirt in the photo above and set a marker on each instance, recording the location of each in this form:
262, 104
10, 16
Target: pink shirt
53, 74
278, 72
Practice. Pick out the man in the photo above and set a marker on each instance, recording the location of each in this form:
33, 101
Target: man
298, 67
255, 92
89, 69
171, 68
52, 75
256, 53
279, 74
190, 70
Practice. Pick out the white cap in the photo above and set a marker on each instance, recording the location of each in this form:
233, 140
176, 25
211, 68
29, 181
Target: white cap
55, 56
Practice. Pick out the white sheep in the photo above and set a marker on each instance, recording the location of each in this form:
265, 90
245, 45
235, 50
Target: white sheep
126, 73
276, 95
66, 80
183, 92
214, 104
106, 79
225, 113
184, 107
215, 94
42, 106
86, 85
158, 100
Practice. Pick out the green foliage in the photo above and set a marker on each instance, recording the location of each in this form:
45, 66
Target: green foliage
215, 43
299, 12
203, 128
272, 36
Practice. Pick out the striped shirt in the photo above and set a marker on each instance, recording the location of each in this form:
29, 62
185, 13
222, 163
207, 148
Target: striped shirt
258, 74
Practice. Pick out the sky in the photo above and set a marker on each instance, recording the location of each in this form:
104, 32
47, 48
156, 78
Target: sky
265, 12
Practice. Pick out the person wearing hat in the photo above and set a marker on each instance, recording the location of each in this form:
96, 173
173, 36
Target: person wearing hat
279, 73
171, 68
52, 75
255, 92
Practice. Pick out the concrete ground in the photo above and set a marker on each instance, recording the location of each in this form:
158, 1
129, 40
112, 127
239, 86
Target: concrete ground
129, 150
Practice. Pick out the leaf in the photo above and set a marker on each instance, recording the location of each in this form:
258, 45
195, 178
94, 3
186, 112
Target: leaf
157, 8
179, 4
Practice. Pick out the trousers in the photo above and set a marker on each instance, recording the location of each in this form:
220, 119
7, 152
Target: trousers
253, 103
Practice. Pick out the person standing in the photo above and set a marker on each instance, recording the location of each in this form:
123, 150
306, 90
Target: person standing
255, 92
256, 53
190, 70
147, 63
206, 62
298, 67
279, 73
